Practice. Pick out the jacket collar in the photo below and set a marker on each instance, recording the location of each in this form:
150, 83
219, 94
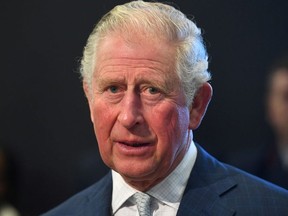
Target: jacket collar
99, 201
207, 183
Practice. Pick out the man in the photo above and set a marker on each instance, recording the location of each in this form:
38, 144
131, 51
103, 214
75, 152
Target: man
145, 76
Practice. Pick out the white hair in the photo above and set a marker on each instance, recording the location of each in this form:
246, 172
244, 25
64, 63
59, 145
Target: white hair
161, 20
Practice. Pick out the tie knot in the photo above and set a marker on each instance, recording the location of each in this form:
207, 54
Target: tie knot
143, 202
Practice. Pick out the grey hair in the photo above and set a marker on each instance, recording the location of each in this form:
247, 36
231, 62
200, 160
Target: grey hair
161, 20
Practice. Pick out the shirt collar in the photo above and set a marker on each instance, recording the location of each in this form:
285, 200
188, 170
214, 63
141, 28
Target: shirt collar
168, 191
171, 189
120, 187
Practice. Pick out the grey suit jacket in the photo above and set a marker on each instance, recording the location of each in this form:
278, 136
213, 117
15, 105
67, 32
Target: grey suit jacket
213, 188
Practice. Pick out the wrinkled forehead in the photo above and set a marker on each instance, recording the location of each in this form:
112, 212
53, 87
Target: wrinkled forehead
136, 45
138, 53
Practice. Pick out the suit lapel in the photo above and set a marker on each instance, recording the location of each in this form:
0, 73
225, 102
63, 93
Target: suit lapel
99, 202
207, 183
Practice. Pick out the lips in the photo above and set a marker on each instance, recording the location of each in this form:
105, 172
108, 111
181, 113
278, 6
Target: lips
134, 144
133, 148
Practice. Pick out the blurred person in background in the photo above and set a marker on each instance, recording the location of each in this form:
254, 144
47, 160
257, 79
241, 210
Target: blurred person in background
275, 163
270, 160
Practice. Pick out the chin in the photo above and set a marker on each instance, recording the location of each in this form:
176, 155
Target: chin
139, 173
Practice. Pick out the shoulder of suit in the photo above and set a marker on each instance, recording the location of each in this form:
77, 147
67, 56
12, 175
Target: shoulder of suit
75, 204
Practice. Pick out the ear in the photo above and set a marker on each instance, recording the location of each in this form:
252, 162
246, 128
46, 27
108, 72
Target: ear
87, 90
199, 105
88, 93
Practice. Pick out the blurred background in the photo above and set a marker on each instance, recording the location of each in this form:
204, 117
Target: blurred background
45, 129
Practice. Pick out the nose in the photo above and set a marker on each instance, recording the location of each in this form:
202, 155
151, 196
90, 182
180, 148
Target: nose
131, 110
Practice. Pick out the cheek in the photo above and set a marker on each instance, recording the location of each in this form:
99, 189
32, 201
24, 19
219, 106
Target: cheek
103, 123
102, 120
172, 123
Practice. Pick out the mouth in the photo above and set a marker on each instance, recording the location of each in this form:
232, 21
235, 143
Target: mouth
134, 144
134, 148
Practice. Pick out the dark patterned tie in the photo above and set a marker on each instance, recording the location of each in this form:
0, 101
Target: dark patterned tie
143, 202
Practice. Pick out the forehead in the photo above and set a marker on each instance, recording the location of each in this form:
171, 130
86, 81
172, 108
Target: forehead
135, 50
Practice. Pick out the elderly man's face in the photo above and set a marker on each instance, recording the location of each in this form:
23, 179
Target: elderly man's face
139, 113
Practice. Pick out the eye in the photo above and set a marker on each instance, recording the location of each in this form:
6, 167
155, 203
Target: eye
153, 90
113, 89
113, 93
152, 95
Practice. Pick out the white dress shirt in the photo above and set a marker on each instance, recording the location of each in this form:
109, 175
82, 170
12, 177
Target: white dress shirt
166, 195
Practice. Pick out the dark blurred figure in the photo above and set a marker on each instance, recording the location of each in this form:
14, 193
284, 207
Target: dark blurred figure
275, 162
6, 208
270, 160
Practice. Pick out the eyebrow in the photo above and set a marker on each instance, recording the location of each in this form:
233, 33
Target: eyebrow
163, 84
104, 82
